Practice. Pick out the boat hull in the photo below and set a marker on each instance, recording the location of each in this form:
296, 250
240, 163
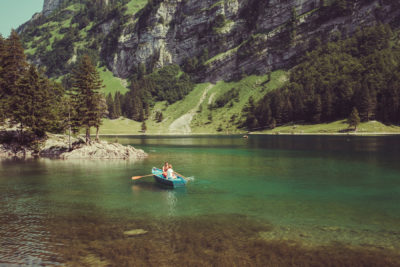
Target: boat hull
174, 183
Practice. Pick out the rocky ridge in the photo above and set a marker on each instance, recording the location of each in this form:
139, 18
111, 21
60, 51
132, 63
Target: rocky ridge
177, 30
240, 36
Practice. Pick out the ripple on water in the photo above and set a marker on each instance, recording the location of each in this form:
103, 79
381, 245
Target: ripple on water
24, 239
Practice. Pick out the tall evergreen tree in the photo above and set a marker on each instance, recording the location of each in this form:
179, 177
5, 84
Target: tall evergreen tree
86, 96
32, 105
110, 106
354, 119
12, 69
117, 105
2, 81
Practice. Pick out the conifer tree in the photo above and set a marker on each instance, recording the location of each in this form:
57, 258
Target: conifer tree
354, 119
102, 112
144, 127
2, 81
33, 103
86, 97
117, 104
12, 69
317, 109
110, 106
365, 105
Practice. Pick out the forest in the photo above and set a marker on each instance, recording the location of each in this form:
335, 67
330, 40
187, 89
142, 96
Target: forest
37, 105
361, 72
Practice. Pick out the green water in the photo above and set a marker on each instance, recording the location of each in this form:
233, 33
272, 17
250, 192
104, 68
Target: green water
315, 190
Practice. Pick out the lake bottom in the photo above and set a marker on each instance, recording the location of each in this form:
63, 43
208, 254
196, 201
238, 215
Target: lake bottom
89, 239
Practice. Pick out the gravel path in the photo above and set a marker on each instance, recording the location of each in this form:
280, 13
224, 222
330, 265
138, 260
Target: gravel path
182, 124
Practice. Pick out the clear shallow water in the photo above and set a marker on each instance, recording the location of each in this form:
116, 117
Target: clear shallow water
312, 189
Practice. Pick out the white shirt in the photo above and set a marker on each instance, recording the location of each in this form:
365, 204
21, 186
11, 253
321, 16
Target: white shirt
170, 174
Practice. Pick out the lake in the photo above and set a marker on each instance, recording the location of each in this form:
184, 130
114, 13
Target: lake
265, 200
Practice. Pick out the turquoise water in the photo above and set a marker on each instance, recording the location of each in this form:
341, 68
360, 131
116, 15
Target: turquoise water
312, 189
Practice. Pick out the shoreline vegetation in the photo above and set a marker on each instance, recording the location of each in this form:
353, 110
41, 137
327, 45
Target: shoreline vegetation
126, 127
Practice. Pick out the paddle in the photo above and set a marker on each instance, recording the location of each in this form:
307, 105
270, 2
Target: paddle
138, 177
182, 176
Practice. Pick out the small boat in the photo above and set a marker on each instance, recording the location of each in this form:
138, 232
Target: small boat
159, 177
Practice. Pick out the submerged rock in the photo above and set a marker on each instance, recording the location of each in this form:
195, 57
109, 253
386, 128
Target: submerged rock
135, 232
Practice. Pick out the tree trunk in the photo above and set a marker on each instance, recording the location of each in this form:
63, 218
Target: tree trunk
87, 135
97, 133
21, 135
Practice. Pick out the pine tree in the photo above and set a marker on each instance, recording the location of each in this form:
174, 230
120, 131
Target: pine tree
12, 69
317, 109
86, 96
144, 127
110, 106
2, 81
117, 103
365, 104
32, 105
354, 119
102, 112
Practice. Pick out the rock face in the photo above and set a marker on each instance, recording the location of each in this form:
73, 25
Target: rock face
252, 42
51, 5
237, 36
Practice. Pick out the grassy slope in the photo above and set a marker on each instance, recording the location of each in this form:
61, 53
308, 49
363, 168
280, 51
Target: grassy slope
112, 84
336, 127
250, 86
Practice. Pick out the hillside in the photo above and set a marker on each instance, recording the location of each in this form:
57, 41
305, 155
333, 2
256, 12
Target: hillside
211, 40
200, 66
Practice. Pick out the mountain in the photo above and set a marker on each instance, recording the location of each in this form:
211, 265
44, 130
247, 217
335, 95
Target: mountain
212, 40
168, 51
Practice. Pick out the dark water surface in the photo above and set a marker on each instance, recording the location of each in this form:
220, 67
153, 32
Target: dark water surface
266, 200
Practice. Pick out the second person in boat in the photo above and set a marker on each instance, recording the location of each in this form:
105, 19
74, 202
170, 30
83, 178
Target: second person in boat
170, 172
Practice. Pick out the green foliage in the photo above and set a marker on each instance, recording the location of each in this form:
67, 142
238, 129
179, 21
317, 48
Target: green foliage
144, 127
354, 119
87, 101
361, 71
12, 69
169, 84
28, 99
229, 96
61, 51
159, 116
34, 103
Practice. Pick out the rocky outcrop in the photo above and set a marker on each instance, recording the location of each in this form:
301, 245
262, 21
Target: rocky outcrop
104, 150
252, 42
15, 151
57, 147
51, 5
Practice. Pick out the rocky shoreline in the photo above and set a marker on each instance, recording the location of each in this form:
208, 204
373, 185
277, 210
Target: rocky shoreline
57, 147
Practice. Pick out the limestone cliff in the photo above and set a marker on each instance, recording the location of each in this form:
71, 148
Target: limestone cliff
252, 43
51, 5
233, 37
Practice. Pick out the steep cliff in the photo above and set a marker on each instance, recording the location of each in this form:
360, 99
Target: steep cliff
240, 36
51, 5
211, 39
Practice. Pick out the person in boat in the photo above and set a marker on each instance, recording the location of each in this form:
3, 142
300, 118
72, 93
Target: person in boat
165, 169
170, 172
